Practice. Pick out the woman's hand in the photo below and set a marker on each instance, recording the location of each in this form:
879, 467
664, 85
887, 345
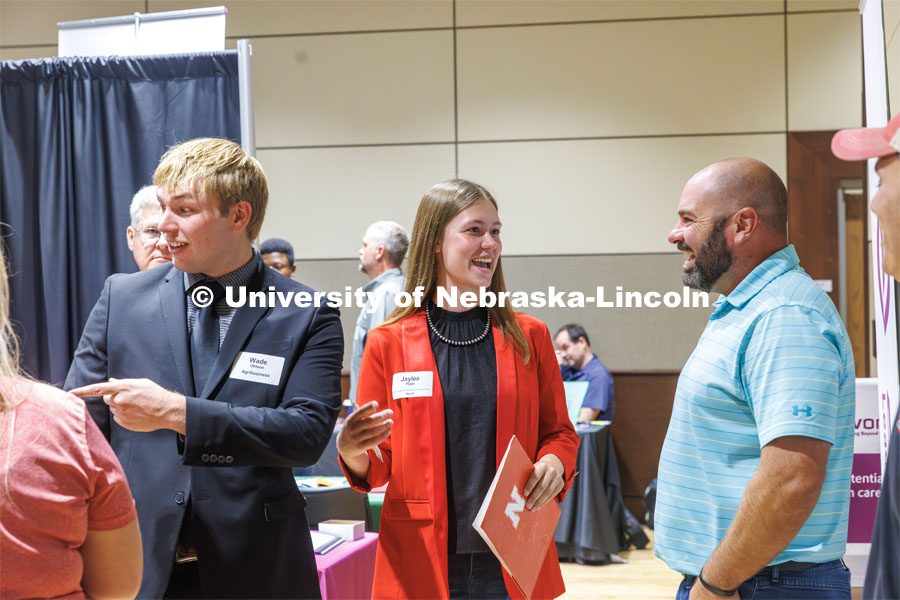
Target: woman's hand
363, 429
545, 482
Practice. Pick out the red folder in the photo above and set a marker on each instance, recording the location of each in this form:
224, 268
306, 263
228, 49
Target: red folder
518, 537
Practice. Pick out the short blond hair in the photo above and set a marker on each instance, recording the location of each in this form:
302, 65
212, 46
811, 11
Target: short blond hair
218, 167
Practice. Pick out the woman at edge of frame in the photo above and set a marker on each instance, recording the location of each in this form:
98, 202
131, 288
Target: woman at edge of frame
495, 375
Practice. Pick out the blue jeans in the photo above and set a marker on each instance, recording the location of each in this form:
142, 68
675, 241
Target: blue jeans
827, 581
476, 575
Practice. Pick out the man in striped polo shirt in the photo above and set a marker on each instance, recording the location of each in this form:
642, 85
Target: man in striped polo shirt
754, 477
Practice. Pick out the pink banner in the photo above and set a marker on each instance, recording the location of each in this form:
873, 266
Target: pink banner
865, 488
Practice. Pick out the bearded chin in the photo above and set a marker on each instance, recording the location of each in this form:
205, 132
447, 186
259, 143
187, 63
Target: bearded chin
712, 261
694, 279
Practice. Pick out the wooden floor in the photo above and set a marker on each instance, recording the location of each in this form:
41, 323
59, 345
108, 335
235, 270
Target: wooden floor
644, 577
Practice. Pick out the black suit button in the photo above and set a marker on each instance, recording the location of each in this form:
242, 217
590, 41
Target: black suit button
229, 460
179, 498
205, 458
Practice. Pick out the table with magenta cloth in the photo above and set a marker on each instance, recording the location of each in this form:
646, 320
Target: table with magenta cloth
347, 570
591, 527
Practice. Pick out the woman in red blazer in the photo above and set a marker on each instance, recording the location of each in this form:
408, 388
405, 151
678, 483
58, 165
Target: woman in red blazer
446, 389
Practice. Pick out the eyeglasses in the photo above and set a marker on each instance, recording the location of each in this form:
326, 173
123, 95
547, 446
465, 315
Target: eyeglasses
148, 235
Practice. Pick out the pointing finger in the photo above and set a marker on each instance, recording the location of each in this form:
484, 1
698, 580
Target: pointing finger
97, 389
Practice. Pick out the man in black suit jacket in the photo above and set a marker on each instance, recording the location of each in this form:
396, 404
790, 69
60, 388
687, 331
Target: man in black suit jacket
207, 406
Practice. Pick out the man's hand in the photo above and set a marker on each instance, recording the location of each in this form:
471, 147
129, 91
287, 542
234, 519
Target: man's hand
139, 404
699, 592
545, 482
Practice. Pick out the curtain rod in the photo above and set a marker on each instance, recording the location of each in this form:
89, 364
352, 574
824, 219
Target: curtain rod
145, 17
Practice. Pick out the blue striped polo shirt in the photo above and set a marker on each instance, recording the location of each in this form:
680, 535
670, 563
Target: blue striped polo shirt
774, 360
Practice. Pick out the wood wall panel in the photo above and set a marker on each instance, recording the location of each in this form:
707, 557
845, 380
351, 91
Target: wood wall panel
813, 180
814, 176
824, 70
512, 12
643, 409
550, 82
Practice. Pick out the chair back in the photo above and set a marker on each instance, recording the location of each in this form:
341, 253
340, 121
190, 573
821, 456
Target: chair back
339, 502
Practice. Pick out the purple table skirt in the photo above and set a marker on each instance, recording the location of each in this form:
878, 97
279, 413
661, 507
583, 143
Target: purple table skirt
347, 571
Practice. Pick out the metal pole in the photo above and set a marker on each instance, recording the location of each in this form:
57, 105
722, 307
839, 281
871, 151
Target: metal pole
144, 17
245, 83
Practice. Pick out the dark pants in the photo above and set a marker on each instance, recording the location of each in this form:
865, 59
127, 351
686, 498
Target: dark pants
827, 581
476, 576
184, 584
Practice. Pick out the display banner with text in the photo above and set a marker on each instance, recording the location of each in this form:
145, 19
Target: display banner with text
865, 479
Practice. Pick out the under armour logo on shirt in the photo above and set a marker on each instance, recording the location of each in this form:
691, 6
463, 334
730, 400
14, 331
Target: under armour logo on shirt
807, 410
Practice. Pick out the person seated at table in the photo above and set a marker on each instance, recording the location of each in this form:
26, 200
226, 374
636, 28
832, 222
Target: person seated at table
577, 362
68, 526
490, 374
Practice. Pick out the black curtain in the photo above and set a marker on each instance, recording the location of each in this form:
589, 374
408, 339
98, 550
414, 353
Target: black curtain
79, 137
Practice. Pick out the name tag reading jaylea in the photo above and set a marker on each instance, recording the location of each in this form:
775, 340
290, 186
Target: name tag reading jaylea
413, 384
261, 368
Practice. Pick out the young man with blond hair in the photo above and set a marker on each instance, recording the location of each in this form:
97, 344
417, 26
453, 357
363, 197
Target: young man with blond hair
208, 406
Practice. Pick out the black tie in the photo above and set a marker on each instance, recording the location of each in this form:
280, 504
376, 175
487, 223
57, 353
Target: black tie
205, 336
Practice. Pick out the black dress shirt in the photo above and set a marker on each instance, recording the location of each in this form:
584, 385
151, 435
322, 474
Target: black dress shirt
468, 376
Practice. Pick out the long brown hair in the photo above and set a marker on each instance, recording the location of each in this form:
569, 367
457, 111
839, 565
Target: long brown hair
9, 343
10, 373
438, 206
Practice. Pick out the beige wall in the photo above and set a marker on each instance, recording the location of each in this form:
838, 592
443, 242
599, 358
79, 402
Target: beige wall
584, 118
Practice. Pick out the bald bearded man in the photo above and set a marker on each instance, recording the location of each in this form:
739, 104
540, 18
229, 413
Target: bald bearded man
754, 476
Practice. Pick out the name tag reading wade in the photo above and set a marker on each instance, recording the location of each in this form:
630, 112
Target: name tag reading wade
261, 368
412, 384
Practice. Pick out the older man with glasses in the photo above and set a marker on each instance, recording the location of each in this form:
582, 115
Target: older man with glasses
146, 244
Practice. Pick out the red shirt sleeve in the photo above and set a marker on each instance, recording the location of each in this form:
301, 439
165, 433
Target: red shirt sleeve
111, 505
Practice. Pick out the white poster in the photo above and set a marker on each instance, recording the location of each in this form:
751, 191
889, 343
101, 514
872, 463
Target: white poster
172, 32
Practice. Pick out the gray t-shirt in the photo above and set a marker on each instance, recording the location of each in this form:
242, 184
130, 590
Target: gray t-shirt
381, 291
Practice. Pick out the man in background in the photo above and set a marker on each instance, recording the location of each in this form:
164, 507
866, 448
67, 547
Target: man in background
577, 362
883, 572
144, 240
754, 477
278, 254
380, 256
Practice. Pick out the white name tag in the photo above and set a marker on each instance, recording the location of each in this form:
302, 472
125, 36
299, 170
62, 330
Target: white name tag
261, 368
413, 384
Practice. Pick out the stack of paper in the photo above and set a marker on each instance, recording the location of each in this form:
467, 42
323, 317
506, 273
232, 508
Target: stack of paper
323, 542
